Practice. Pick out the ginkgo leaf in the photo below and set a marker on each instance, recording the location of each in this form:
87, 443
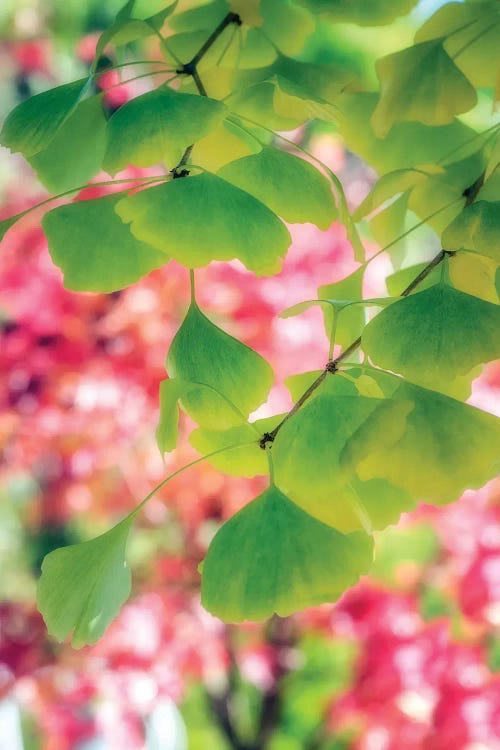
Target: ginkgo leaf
286, 24
249, 460
32, 125
474, 274
316, 452
228, 223
372, 13
237, 378
226, 143
447, 446
428, 144
167, 431
386, 188
271, 557
128, 29
477, 228
248, 10
83, 586
76, 152
94, 249
421, 83
398, 281
351, 320
471, 36
158, 126
299, 383
431, 337
388, 227
288, 185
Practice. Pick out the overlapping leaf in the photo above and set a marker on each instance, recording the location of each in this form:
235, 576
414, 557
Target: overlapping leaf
271, 557
289, 186
76, 152
33, 124
372, 13
431, 337
95, 249
203, 218
421, 83
316, 452
158, 127
232, 379
83, 586
447, 446
477, 228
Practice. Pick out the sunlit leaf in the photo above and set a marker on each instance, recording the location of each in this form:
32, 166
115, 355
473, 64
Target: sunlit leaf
83, 586
158, 127
431, 337
447, 446
286, 24
315, 452
421, 83
474, 274
32, 125
351, 320
127, 28
238, 378
226, 143
271, 557
247, 461
289, 186
386, 188
477, 228
248, 10
227, 223
94, 249
76, 152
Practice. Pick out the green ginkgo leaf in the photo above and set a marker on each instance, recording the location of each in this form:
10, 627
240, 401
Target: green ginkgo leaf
386, 188
289, 186
286, 24
421, 83
158, 127
316, 453
95, 249
271, 557
167, 431
83, 586
227, 223
234, 380
477, 228
431, 337
76, 152
32, 125
249, 460
447, 447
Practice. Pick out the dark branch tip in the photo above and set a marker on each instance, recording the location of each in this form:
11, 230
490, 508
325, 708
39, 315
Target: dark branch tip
332, 367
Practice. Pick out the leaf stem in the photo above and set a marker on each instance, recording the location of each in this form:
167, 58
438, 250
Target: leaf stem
332, 366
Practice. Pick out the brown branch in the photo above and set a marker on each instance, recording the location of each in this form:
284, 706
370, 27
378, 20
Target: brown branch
331, 367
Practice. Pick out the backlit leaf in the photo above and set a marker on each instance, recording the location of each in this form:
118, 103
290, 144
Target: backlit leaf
94, 249
271, 557
128, 29
363, 12
238, 378
227, 223
421, 83
32, 125
477, 228
351, 320
76, 152
315, 452
83, 586
289, 186
158, 127
447, 447
286, 24
431, 337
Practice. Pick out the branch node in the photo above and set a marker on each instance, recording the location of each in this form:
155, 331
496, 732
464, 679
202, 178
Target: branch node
177, 174
266, 438
332, 367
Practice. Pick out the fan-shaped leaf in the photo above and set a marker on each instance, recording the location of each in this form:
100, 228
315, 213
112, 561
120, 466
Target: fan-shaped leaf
433, 336
237, 379
94, 249
272, 557
76, 152
351, 320
158, 126
32, 125
83, 586
204, 218
447, 447
421, 83
289, 186
477, 228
